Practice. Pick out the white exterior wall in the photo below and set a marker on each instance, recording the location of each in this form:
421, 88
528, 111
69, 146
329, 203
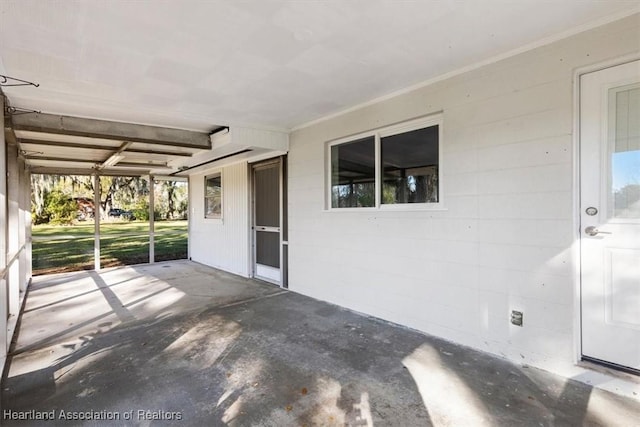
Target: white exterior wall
221, 243
504, 242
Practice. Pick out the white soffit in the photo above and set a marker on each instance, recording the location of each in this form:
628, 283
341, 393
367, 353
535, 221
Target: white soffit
190, 64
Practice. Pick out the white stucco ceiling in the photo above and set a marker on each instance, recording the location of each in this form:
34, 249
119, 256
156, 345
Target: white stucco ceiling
197, 64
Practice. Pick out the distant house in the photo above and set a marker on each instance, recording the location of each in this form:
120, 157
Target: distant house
86, 208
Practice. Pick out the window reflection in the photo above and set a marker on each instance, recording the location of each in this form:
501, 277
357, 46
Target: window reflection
626, 184
410, 167
213, 197
353, 174
625, 152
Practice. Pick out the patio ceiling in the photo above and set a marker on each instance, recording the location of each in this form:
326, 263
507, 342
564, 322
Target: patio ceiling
69, 145
272, 64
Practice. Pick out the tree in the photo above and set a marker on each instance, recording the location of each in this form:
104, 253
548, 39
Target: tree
169, 187
129, 193
41, 186
60, 208
115, 191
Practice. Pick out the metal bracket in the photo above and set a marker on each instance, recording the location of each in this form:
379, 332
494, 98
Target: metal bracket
15, 111
6, 81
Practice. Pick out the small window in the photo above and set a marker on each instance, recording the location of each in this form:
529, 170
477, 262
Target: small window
397, 165
213, 196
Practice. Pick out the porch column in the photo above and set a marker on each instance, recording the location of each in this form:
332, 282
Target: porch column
189, 216
4, 291
152, 190
28, 250
22, 227
96, 221
13, 224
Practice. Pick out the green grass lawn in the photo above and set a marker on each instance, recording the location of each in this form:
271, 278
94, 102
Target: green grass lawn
70, 248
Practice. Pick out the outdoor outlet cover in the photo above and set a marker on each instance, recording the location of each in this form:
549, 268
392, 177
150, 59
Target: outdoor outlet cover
516, 318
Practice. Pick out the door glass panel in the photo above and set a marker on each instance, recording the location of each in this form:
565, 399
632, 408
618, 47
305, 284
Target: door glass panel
624, 139
267, 248
267, 190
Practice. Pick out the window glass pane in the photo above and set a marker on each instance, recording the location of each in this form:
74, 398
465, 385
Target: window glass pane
213, 186
625, 156
410, 167
213, 197
353, 174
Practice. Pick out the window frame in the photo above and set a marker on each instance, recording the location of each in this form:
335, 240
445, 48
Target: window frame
378, 134
213, 216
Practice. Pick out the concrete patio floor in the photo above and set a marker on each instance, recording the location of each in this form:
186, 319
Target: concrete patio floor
195, 346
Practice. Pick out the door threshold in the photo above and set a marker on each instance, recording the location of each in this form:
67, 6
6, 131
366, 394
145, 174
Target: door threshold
267, 281
611, 369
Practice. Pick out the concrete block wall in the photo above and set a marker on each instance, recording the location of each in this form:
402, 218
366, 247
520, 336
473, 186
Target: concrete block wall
505, 239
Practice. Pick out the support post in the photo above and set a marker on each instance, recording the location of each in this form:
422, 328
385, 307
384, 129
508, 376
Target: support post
13, 234
28, 225
189, 216
22, 225
4, 229
96, 220
152, 190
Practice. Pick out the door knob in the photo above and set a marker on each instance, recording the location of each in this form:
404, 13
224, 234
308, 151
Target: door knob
593, 231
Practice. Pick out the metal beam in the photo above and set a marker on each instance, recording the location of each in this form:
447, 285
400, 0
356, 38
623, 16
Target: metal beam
159, 152
45, 170
67, 125
170, 178
99, 147
96, 162
115, 157
161, 165
47, 143
59, 159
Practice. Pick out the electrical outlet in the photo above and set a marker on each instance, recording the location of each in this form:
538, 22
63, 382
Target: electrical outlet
516, 318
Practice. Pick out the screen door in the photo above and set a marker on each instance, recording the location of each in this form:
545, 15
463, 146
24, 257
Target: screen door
267, 220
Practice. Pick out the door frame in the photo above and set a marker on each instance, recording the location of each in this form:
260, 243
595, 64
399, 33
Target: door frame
576, 255
281, 161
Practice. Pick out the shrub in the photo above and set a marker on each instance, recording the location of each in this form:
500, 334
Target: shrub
60, 208
141, 211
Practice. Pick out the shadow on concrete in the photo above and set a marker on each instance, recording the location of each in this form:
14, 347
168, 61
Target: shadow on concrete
246, 363
229, 351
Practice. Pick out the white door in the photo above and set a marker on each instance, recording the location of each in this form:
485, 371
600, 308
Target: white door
610, 214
